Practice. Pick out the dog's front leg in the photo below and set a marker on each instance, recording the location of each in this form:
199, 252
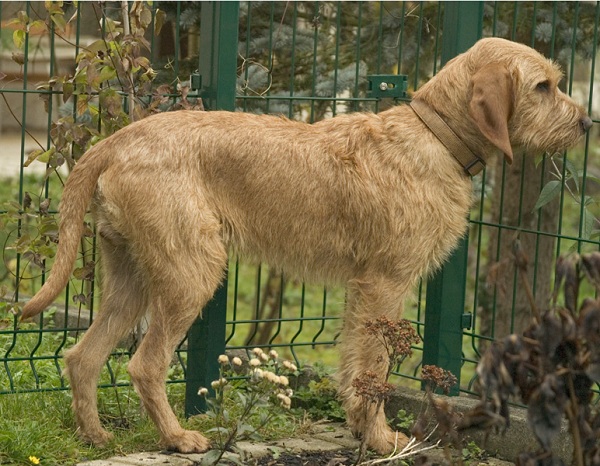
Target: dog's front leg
360, 352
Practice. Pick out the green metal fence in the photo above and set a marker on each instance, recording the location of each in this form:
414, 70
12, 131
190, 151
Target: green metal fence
308, 61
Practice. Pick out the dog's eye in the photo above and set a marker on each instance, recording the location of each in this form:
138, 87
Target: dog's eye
543, 86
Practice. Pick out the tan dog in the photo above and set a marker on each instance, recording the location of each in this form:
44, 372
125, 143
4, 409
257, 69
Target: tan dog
373, 201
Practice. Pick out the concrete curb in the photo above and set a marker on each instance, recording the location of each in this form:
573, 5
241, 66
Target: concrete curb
507, 445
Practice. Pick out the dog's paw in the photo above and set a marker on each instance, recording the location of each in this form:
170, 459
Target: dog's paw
387, 441
187, 441
97, 437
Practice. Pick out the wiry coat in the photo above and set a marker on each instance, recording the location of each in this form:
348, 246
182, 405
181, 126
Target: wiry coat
372, 201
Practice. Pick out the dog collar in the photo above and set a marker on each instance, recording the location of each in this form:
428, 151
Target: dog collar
472, 163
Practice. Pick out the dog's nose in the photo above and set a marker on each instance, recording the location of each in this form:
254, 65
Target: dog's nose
586, 123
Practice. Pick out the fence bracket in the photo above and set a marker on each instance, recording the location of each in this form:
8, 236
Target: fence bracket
195, 81
383, 86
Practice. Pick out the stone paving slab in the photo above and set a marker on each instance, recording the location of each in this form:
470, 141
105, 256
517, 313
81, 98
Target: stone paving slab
142, 459
326, 437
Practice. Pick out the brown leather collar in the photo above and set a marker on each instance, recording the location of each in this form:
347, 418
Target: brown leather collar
472, 163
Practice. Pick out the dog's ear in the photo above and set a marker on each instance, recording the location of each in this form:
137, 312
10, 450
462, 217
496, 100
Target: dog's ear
491, 105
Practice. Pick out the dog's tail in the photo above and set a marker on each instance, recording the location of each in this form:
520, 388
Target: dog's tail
76, 198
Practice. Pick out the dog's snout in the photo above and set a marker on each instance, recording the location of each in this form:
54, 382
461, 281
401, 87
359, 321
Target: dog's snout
586, 123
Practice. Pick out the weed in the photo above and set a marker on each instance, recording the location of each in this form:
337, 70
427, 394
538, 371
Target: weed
262, 387
473, 453
552, 367
320, 401
405, 420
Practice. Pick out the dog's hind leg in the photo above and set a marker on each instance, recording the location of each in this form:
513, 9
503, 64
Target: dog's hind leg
122, 305
361, 352
184, 283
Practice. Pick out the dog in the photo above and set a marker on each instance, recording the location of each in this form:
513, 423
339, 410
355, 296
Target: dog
374, 201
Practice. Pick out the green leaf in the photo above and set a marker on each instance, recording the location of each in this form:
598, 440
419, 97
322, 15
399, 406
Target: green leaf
223, 430
49, 228
275, 452
45, 156
107, 73
589, 221
33, 155
245, 428
159, 20
19, 38
96, 46
59, 21
47, 251
234, 460
210, 457
23, 243
551, 190
573, 172
37, 26
68, 89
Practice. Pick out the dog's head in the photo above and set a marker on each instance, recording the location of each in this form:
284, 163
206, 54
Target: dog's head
512, 98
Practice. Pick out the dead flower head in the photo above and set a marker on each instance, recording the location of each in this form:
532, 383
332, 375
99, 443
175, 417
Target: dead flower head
436, 377
398, 336
371, 387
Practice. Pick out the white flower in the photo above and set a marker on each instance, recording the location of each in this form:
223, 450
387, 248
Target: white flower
288, 365
254, 362
236, 361
271, 377
258, 373
218, 383
203, 391
223, 359
273, 354
263, 356
283, 380
289, 392
286, 402
257, 351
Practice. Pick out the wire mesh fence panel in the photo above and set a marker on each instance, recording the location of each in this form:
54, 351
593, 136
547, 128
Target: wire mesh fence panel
310, 61
538, 208
71, 76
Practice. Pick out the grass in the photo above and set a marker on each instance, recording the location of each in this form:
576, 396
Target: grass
41, 425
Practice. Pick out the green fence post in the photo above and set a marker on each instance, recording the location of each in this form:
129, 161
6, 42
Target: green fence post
217, 68
444, 320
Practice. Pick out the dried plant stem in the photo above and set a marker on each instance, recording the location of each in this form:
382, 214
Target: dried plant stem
574, 425
413, 447
534, 309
